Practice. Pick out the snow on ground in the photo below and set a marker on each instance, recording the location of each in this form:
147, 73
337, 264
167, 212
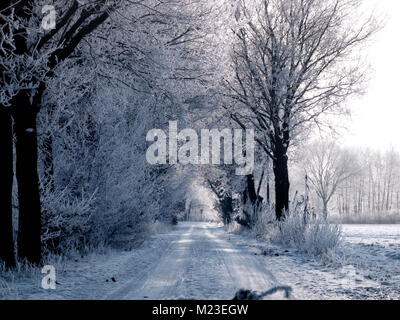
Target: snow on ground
375, 253
199, 260
367, 268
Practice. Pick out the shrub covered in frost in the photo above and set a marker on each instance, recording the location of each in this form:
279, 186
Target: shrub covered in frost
314, 236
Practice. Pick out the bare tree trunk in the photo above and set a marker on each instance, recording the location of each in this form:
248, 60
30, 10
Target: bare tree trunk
6, 185
282, 186
227, 208
251, 195
29, 231
251, 189
306, 199
48, 162
325, 208
6, 174
369, 190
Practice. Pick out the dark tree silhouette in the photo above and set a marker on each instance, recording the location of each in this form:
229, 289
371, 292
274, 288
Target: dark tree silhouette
73, 24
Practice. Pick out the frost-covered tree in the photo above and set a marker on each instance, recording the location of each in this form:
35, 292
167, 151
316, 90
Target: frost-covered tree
327, 167
292, 62
88, 91
75, 21
373, 193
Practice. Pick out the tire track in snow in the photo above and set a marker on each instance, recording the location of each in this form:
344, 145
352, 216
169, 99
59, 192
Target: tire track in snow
246, 270
158, 279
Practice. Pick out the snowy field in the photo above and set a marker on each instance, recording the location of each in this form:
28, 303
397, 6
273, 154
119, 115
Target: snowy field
375, 252
201, 261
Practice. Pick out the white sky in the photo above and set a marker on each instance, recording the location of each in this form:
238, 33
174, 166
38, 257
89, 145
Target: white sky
376, 115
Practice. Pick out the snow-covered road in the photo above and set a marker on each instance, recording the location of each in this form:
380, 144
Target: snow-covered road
199, 262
